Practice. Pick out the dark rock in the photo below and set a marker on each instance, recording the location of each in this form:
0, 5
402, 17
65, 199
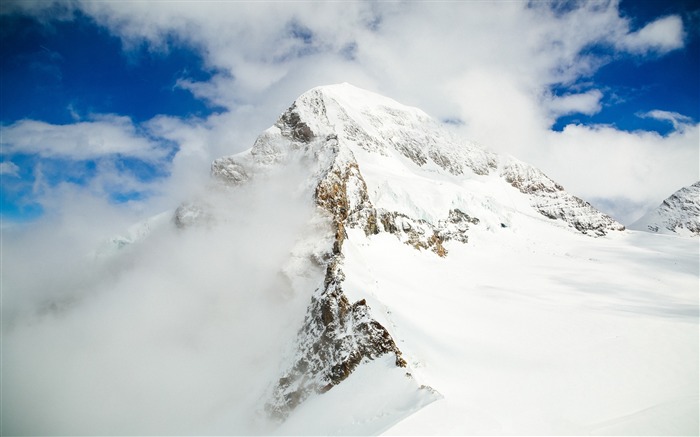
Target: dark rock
335, 338
290, 123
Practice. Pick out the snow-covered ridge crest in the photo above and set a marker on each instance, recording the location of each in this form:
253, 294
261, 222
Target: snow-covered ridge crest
374, 123
353, 125
678, 214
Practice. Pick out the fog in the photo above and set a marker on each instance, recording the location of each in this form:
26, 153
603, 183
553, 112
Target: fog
181, 333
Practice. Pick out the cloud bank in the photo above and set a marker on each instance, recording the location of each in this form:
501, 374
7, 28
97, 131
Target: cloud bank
180, 333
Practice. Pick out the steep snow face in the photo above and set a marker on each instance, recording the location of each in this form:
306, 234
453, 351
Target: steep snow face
679, 214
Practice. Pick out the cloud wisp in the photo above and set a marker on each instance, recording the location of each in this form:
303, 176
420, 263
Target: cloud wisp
679, 121
107, 135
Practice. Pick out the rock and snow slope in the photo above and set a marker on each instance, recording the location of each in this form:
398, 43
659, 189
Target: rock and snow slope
407, 163
381, 167
678, 214
360, 271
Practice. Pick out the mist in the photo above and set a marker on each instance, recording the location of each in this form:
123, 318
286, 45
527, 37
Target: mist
183, 332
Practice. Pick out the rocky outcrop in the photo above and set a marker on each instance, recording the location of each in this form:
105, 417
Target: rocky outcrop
229, 171
423, 235
189, 214
343, 193
337, 335
291, 125
552, 201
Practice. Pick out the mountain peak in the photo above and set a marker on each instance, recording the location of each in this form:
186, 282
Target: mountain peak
678, 214
375, 166
340, 125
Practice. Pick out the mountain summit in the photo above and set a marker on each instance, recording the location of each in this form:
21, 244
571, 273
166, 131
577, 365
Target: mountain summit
393, 159
378, 167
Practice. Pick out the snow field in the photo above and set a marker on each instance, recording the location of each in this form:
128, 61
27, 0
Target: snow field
570, 336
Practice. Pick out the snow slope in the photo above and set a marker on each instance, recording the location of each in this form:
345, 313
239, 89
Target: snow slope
678, 214
361, 271
538, 333
560, 297
542, 332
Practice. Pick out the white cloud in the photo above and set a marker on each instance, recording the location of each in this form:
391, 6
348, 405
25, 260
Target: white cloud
582, 103
9, 168
630, 168
90, 344
107, 135
662, 35
679, 121
105, 158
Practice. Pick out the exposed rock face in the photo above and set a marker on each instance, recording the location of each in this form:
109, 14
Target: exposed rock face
336, 337
228, 171
550, 200
424, 235
678, 214
291, 125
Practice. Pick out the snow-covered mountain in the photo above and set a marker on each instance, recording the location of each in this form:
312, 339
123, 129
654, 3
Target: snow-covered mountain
383, 168
360, 270
678, 214
371, 146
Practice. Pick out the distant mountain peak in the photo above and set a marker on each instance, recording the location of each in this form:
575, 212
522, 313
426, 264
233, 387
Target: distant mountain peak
678, 214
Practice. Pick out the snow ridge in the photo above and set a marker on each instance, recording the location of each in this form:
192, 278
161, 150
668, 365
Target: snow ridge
367, 122
679, 214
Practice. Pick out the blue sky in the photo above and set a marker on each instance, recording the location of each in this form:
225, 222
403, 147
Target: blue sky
63, 72
129, 102
70, 69
638, 84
